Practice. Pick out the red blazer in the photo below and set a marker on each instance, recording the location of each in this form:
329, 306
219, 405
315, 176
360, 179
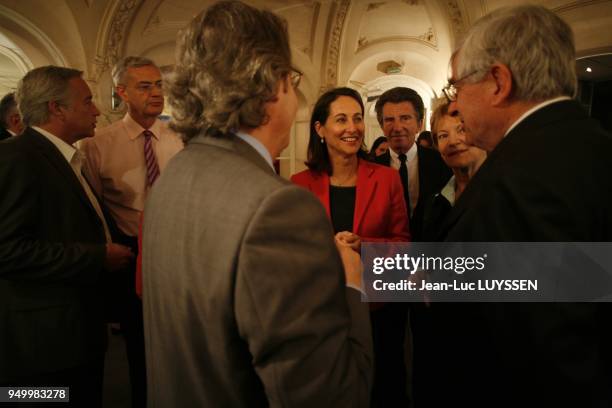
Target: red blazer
380, 210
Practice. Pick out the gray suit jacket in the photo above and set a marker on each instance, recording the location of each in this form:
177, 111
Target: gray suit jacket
245, 303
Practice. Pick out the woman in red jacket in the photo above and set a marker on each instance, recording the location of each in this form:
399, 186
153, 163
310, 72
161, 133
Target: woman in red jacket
363, 200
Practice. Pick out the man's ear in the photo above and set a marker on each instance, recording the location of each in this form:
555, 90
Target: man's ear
420, 124
55, 109
120, 90
502, 77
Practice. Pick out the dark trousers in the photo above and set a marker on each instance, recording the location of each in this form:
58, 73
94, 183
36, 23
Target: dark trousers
389, 324
133, 333
126, 307
85, 383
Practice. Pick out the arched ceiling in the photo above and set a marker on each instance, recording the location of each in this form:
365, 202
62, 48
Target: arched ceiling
335, 42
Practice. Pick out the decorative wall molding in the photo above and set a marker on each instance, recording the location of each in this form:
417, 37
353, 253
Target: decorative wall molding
576, 5
316, 9
111, 35
42, 39
330, 78
374, 6
364, 43
457, 22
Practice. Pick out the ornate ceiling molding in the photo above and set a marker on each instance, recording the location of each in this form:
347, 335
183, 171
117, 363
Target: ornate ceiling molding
316, 9
110, 41
17, 57
456, 18
43, 40
577, 4
428, 38
330, 77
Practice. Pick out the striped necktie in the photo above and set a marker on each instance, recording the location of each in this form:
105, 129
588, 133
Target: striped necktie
150, 159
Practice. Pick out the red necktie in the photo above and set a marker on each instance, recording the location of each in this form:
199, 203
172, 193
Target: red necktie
150, 159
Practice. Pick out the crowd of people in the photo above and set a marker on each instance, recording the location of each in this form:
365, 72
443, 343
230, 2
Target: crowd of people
251, 291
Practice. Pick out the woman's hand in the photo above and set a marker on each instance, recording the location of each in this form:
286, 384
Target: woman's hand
350, 239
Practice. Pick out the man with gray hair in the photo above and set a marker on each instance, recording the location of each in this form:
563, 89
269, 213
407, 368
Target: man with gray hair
55, 243
245, 298
512, 82
10, 120
123, 161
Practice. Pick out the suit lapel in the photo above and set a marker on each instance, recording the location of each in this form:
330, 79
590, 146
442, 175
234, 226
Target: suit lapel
364, 193
55, 158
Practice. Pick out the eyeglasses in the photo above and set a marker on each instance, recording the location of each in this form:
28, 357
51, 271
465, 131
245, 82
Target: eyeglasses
450, 90
148, 87
295, 77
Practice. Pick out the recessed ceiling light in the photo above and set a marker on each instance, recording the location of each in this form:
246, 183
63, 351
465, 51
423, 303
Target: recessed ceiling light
589, 69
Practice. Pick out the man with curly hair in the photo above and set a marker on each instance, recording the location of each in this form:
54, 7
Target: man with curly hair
245, 299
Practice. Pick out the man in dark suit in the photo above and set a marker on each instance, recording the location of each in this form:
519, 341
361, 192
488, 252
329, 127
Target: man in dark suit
10, 120
400, 112
245, 300
545, 179
55, 243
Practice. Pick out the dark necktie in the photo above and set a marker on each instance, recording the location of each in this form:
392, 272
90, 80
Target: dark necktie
150, 159
403, 171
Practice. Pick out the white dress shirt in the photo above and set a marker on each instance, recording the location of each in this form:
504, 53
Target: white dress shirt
75, 159
536, 108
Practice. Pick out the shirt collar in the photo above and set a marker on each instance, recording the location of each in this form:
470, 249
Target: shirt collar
410, 154
534, 109
134, 129
258, 146
11, 132
68, 151
448, 191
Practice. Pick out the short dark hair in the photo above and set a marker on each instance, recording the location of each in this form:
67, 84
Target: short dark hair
425, 135
379, 140
318, 157
397, 95
7, 104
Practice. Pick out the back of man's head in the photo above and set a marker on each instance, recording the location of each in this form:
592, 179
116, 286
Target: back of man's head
532, 41
8, 106
400, 94
41, 86
229, 62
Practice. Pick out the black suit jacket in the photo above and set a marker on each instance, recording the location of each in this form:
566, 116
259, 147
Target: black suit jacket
52, 252
548, 180
433, 175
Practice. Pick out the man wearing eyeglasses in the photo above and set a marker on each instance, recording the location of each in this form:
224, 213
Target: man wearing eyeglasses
123, 161
546, 179
245, 297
